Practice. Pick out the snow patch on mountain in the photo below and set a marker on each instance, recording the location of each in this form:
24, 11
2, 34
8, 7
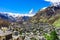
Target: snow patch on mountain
17, 14
54, 2
43, 8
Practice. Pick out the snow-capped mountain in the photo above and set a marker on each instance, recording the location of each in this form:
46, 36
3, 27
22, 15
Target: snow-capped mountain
14, 17
7, 17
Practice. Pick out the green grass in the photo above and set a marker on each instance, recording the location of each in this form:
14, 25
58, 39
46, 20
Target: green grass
57, 23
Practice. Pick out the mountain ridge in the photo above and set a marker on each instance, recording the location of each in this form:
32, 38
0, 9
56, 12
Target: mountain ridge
48, 15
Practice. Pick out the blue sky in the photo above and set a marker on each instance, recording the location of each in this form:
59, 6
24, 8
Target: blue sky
22, 6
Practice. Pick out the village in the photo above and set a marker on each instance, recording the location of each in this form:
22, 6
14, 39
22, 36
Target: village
26, 32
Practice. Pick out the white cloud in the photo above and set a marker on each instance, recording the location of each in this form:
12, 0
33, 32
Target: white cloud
54, 2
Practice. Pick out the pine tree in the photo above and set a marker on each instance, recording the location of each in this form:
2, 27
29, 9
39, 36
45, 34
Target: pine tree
54, 35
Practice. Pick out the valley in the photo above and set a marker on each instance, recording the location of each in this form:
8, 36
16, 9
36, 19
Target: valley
45, 25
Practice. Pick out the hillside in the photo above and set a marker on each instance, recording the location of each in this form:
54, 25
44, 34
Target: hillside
4, 23
49, 15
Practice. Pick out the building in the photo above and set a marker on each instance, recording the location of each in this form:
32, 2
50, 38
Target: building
7, 35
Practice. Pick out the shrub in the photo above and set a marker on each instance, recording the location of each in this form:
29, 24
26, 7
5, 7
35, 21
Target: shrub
51, 36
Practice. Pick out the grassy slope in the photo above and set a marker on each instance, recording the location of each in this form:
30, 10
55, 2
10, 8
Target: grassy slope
57, 23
